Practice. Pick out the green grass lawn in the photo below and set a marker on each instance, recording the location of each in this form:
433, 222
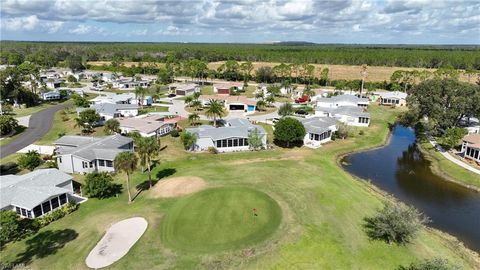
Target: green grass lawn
221, 218
19, 112
445, 167
149, 109
322, 210
15, 135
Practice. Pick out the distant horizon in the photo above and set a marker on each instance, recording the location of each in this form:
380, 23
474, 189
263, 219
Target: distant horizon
286, 42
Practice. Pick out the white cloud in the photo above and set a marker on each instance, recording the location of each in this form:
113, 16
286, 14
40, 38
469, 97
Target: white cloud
81, 29
53, 27
20, 23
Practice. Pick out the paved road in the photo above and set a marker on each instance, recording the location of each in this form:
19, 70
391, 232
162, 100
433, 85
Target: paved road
39, 124
449, 157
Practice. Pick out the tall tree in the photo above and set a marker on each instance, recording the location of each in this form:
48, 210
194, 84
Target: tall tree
126, 162
140, 93
86, 120
111, 126
148, 148
364, 74
215, 109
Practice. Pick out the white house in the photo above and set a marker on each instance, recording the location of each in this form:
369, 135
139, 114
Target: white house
471, 147
36, 193
125, 98
128, 84
232, 103
54, 84
81, 154
350, 115
471, 124
230, 138
183, 89
319, 130
342, 100
52, 95
224, 88
148, 125
393, 98
108, 111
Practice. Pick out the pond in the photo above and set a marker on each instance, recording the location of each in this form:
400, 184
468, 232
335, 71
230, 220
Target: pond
400, 169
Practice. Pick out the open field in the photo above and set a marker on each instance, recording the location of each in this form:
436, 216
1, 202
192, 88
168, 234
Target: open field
337, 72
322, 210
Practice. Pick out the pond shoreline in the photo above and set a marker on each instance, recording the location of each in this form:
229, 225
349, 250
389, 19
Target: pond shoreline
450, 239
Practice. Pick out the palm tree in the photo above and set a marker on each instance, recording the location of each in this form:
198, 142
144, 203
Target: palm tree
111, 126
196, 95
147, 149
140, 94
126, 162
270, 100
215, 109
188, 100
193, 118
196, 104
261, 105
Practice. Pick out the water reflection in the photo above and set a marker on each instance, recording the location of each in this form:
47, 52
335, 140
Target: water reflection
400, 169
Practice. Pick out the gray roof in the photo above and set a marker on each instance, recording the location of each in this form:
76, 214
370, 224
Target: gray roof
235, 128
31, 189
394, 94
317, 125
109, 108
91, 148
344, 98
345, 110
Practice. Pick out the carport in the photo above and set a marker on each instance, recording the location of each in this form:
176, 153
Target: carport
237, 107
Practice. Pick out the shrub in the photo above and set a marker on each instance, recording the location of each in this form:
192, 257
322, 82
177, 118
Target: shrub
30, 160
343, 131
57, 214
288, 131
212, 150
174, 133
61, 134
7, 124
452, 137
396, 222
433, 264
69, 208
361, 133
8, 168
9, 226
188, 140
100, 185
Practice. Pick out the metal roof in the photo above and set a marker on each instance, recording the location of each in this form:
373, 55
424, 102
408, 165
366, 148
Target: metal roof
235, 128
92, 148
31, 189
317, 125
345, 110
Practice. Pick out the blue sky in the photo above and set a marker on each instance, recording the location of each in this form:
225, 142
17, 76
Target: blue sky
258, 21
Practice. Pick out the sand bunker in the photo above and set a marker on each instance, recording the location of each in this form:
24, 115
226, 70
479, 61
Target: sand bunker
177, 186
116, 242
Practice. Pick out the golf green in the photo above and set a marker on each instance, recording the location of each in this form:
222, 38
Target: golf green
221, 218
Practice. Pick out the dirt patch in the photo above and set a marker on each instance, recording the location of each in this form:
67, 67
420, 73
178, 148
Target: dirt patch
178, 186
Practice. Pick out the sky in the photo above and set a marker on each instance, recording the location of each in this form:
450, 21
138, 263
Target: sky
243, 21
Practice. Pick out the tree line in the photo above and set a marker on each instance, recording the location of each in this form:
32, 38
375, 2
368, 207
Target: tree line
50, 53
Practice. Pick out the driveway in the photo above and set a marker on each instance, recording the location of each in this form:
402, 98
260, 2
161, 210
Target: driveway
39, 124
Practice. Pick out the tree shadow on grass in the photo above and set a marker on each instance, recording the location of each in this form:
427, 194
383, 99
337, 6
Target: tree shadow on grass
145, 185
45, 244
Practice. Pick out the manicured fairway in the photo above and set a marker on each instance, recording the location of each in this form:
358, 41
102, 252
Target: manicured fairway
221, 218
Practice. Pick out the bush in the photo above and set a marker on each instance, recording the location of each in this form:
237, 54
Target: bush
212, 150
188, 140
452, 137
69, 208
9, 226
7, 124
361, 133
57, 214
434, 264
343, 131
288, 131
396, 222
174, 133
30, 160
8, 168
100, 185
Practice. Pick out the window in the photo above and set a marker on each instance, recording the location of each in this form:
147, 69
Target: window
240, 142
230, 143
46, 207
63, 199
84, 164
91, 164
101, 162
18, 210
37, 211
219, 143
59, 159
29, 214
55, 203
24, 212
109, 163
235, 142
245, 142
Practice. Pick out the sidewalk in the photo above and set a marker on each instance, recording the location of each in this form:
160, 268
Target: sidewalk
449, 157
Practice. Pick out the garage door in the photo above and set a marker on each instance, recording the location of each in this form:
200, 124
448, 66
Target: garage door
237, 107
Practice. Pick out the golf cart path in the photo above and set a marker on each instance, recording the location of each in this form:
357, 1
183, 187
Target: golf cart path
116, 242
447, 155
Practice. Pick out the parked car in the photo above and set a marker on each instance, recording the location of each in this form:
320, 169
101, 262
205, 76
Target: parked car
302, 99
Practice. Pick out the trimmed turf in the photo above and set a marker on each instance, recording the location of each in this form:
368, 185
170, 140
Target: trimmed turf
221, 218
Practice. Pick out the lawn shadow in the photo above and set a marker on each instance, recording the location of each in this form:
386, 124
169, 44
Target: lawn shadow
45, 244
145, 185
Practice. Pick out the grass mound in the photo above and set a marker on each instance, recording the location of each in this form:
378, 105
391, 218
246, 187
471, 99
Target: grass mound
220, 219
